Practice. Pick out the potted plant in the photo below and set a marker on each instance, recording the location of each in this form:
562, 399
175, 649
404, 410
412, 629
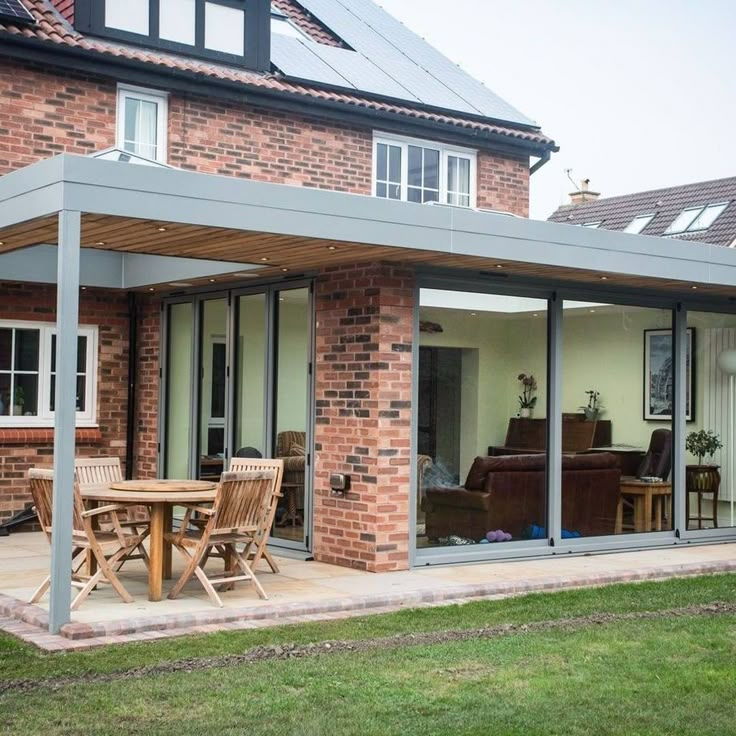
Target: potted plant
702, 478
593, 408
19, 400
527, 400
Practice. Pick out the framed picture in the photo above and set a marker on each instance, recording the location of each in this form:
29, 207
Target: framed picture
659, 376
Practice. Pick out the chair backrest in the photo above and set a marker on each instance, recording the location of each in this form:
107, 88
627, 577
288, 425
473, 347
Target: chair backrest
96, 471
249, 464
658, 460
243, 501
284, 441
42, 490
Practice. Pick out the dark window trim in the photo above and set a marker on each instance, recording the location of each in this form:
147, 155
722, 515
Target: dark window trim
90, 18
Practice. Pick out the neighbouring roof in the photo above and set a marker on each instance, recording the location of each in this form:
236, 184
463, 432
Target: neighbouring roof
616, 213
338, 65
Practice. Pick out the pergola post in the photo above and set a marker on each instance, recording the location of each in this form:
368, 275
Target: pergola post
65, 410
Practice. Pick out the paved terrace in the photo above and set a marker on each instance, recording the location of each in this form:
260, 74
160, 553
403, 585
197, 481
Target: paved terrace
310, 591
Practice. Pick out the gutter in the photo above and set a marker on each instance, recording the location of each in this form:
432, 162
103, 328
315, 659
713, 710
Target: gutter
542, 161
145, 73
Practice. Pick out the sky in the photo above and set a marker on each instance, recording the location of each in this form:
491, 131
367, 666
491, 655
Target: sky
638, 94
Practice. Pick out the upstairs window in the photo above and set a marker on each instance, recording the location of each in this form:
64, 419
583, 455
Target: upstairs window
638, 224
592, 224
142, 122
28, 374
232, 31
421, 171
696, 219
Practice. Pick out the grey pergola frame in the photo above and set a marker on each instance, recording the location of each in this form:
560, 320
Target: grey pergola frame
70, 185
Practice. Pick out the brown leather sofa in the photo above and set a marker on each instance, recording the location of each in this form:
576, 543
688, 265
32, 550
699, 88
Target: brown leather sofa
508, 492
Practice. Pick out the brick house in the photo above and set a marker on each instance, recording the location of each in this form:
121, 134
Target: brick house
324, 255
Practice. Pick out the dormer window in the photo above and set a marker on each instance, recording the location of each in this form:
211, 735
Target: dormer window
231, 31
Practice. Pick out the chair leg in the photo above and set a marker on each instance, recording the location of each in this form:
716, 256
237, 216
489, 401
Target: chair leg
193, 564
246, 569
41, 590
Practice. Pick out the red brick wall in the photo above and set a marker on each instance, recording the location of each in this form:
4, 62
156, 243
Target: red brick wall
147, 383
21, 449
503, 183
363, 400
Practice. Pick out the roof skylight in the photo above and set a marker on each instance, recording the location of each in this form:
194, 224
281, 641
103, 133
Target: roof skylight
695, 219
592, 224
638, 224
281, 23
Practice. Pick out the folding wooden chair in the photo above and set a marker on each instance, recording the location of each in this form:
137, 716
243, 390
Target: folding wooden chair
238, 515
258, 548
102, 471
109, 548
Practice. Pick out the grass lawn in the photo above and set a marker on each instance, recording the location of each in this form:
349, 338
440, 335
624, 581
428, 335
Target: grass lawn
668, 675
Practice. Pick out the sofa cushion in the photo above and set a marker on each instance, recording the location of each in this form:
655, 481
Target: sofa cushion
458, 498
297, 450
592, 461
482, 466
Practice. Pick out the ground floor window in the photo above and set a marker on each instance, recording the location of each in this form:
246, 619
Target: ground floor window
28, 374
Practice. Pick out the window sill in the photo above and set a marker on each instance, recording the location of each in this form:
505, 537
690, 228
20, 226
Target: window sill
45, 435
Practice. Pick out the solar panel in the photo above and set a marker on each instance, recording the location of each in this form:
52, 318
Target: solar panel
16, 10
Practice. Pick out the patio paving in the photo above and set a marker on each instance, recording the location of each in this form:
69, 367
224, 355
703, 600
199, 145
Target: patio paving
306, 591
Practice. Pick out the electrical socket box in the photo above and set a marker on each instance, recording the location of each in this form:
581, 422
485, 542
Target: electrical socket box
339, 483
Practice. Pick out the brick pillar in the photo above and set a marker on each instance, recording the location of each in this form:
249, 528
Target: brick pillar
147, 419
363, 416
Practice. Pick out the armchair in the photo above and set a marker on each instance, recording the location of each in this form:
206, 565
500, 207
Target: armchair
290, 447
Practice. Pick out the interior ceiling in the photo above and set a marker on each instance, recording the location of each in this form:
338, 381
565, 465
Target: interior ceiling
279, 255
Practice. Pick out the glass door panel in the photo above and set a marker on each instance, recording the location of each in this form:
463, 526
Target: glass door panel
482, 402
179, 386
250, 377
291, 401
212, 388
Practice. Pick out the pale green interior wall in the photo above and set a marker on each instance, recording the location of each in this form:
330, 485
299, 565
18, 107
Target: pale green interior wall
251, 380
602, 350
293, 361
214, 327
178, 407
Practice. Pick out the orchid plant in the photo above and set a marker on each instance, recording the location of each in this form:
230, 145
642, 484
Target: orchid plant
528, 386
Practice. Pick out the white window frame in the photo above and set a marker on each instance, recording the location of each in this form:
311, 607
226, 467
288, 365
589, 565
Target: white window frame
45, 417
644, 219
161, 100
445, 150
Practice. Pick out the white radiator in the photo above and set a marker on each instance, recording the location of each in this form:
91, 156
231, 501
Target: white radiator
710, 343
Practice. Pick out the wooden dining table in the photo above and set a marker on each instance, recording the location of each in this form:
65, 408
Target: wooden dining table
160, 496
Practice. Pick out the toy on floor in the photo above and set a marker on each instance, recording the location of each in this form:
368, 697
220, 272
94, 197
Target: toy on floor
498, 536
534, 531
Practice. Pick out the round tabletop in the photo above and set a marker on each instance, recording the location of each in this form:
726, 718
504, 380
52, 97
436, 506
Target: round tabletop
163, 486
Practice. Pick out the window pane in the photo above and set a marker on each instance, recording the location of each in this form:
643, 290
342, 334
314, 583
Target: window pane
638, 224
612, 453
394, 191
178, 390
26, 350
474, 350
82, 354
431, 195
81, 393
394, 169
683, 221
6, 348
25, 395
710, 490
458, 181
224, 29
431, 168
4, 394
381, 190
141, 117
414, 195
382, 161
127, 15
415, 167
176, 20
708, 216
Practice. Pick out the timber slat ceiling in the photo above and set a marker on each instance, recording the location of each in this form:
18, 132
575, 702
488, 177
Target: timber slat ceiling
280, 254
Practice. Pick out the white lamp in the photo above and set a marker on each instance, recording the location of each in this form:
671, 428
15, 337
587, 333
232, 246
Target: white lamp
727, 363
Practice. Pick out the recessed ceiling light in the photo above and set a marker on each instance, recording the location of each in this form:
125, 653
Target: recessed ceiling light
2, 242
281, 298
100, 242
150, 288
161, 229
331, 247
499, 265
84, 288
473, 314
693, 287
264, 258
592, 311
535, 315
284, 270
604, 278
212, 281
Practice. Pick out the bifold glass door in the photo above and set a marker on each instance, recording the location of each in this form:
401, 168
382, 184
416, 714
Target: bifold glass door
237, 382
